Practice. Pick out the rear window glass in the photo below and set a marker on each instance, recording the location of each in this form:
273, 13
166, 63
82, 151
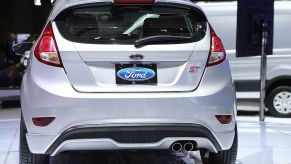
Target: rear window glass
121, 24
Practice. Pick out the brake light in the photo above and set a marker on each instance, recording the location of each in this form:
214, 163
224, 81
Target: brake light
217, 54
46, 50
134, 1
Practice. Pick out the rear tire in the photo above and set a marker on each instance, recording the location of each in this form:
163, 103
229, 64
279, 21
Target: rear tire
222, 157
279, 101
25, 156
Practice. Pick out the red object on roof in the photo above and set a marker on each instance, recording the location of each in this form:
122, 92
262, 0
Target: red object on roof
134, 1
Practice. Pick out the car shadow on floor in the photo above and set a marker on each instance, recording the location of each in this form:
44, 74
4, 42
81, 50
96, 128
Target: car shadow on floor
121, 157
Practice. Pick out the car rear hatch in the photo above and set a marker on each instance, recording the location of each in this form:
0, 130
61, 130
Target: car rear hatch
133, 48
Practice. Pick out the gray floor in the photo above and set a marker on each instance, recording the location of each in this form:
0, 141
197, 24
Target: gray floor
259, 143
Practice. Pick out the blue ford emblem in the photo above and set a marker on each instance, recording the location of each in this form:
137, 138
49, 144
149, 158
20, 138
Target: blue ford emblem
136, 74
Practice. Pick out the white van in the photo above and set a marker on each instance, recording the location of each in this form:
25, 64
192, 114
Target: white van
246, 70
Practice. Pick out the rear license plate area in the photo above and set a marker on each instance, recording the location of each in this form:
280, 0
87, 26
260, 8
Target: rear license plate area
134, 74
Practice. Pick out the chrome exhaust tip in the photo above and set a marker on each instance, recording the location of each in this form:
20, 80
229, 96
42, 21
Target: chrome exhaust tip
188, 146
176, 147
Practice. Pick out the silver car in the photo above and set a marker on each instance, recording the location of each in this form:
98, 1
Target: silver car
126, 74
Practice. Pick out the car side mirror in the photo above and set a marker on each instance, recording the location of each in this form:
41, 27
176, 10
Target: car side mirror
21, 48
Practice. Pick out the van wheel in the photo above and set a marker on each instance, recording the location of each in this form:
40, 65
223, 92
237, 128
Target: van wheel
222, 157
25, 156
279, 101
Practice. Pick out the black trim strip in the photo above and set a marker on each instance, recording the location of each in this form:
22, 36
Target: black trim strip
254, 85
135, 134
247, 86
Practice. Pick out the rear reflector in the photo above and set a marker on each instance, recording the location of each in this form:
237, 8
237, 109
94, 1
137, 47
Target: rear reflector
42, 121
224, 119
134, 1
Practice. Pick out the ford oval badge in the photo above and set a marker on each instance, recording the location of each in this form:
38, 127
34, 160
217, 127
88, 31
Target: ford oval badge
136, 74
136, 57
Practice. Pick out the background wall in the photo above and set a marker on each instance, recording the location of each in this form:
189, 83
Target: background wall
22, 16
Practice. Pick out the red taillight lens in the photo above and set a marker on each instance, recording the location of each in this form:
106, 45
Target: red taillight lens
224, 119
217, 54
42, 121
134, 1
46, 50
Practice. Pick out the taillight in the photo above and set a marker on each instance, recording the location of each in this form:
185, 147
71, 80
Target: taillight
134, 1
46, 50
217, 54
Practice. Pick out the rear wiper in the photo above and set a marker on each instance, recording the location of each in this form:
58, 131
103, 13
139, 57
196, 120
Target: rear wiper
160, 39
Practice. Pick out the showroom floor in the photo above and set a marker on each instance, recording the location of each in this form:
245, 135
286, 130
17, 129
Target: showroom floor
259, 143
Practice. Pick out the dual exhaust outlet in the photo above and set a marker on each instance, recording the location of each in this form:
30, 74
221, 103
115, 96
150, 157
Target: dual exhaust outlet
184, 146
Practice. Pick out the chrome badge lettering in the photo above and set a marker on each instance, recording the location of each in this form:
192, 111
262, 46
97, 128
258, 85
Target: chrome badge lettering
136, 57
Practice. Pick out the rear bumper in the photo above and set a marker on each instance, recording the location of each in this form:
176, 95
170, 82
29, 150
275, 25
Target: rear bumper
133, 136
73, 109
